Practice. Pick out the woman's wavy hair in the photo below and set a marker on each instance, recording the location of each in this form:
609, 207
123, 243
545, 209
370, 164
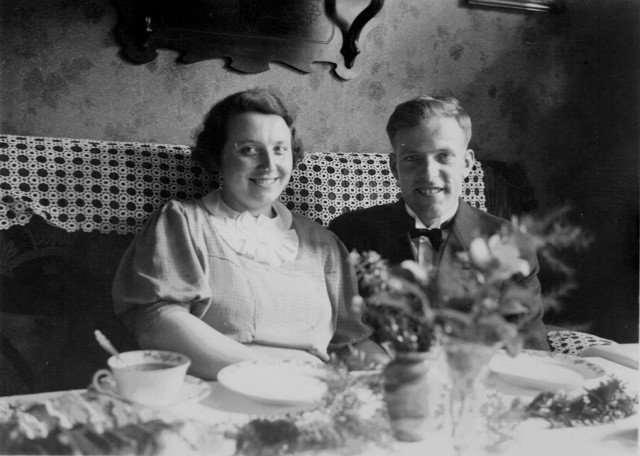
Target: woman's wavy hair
213, 134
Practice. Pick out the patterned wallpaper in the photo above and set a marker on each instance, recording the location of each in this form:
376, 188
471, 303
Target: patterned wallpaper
557, 93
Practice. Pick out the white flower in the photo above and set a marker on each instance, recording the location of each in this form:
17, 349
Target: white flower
499, 256
480, 253
508, 257
418, 271
357, 305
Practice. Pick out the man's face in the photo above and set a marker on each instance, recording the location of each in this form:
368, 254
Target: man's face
430, 161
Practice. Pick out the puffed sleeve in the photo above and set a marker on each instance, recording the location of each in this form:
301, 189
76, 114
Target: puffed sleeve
163, 270
342, 286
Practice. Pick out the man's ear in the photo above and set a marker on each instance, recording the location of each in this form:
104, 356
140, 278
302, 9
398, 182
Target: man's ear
469, 160
393, 164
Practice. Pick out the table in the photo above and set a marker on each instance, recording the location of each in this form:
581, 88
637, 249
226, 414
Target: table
618, 439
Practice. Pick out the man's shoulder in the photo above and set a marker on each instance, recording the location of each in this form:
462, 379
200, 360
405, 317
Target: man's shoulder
479, 219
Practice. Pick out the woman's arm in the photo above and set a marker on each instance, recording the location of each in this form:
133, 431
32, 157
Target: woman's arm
352, 333
208, 349
162, 288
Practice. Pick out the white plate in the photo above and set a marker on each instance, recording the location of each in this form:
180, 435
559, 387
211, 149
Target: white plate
279, 382
193, 389
544, 371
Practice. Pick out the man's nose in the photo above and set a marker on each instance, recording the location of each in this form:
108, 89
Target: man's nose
431, 168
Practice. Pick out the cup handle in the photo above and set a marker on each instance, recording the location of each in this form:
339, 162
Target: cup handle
97, 381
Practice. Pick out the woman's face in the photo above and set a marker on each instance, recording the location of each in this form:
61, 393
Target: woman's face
257, 160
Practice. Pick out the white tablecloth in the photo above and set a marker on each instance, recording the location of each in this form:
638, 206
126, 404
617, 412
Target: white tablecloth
533, 438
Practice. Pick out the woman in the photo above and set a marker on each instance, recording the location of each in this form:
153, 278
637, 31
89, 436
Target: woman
235, 276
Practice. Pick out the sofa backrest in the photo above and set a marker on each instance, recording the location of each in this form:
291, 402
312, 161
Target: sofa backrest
110, 186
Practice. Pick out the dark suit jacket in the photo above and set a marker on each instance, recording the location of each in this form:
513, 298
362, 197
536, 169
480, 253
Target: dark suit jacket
385, 229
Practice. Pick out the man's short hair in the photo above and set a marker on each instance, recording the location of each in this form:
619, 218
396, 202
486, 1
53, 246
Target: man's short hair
413, 112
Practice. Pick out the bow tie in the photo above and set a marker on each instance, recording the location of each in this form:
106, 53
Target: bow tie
434, 234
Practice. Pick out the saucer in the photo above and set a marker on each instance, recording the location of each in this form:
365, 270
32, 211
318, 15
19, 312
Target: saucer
193, 389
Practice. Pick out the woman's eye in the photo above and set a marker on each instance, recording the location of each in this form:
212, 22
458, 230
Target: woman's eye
281, 150
249, 150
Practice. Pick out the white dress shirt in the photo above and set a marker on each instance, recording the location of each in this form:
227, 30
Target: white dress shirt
423, 251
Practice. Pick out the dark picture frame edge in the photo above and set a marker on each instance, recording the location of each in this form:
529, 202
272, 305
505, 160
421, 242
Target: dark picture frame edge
551, 6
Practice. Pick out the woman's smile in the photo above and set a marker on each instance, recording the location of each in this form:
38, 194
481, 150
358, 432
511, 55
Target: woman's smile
264, 181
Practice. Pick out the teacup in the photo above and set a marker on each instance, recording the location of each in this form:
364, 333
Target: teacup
148, 377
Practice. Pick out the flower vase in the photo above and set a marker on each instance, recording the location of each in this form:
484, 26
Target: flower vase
468, 364
412, 399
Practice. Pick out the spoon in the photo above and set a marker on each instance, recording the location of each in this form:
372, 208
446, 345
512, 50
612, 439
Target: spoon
106, 344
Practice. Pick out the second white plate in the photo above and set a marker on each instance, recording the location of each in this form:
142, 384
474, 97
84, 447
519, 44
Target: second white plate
544, 371
280, 382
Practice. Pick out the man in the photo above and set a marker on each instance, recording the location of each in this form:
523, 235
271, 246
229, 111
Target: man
430, 160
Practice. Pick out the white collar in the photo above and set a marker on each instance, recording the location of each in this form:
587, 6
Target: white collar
438, 222
218, 208
266, 240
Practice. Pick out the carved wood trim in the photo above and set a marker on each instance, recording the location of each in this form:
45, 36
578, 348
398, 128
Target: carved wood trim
250, 33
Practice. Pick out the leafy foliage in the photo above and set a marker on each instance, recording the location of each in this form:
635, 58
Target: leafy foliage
607, 402
350, 417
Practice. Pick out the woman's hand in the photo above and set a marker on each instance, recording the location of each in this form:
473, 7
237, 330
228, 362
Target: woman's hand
209, 349
365, 355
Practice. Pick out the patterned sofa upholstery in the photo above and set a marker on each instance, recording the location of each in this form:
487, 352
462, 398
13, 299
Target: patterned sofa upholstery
70, 207
84, 185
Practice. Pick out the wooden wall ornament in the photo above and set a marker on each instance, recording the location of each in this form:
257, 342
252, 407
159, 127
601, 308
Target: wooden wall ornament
250, 33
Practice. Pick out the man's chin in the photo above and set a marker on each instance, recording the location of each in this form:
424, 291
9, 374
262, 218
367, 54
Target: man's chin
429, 210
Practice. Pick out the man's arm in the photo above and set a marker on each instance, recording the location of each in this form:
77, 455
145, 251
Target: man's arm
530, 323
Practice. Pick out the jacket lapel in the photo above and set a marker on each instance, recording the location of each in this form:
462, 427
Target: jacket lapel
465, 227
398, 241
463, 230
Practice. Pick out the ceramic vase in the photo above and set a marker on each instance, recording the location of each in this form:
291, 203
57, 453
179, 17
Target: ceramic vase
414, 402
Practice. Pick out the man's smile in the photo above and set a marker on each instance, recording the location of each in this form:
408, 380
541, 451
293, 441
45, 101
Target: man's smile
430, 191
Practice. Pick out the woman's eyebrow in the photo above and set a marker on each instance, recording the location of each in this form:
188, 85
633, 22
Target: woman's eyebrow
244, 142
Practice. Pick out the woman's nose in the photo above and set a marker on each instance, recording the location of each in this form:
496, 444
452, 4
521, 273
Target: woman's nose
266, 160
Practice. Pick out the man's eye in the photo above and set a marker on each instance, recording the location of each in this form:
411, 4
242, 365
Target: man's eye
446, 157
411, 158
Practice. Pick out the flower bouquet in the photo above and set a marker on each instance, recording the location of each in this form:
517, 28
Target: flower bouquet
477, 313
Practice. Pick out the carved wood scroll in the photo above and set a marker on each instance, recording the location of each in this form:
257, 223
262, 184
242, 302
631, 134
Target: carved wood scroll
251, 33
